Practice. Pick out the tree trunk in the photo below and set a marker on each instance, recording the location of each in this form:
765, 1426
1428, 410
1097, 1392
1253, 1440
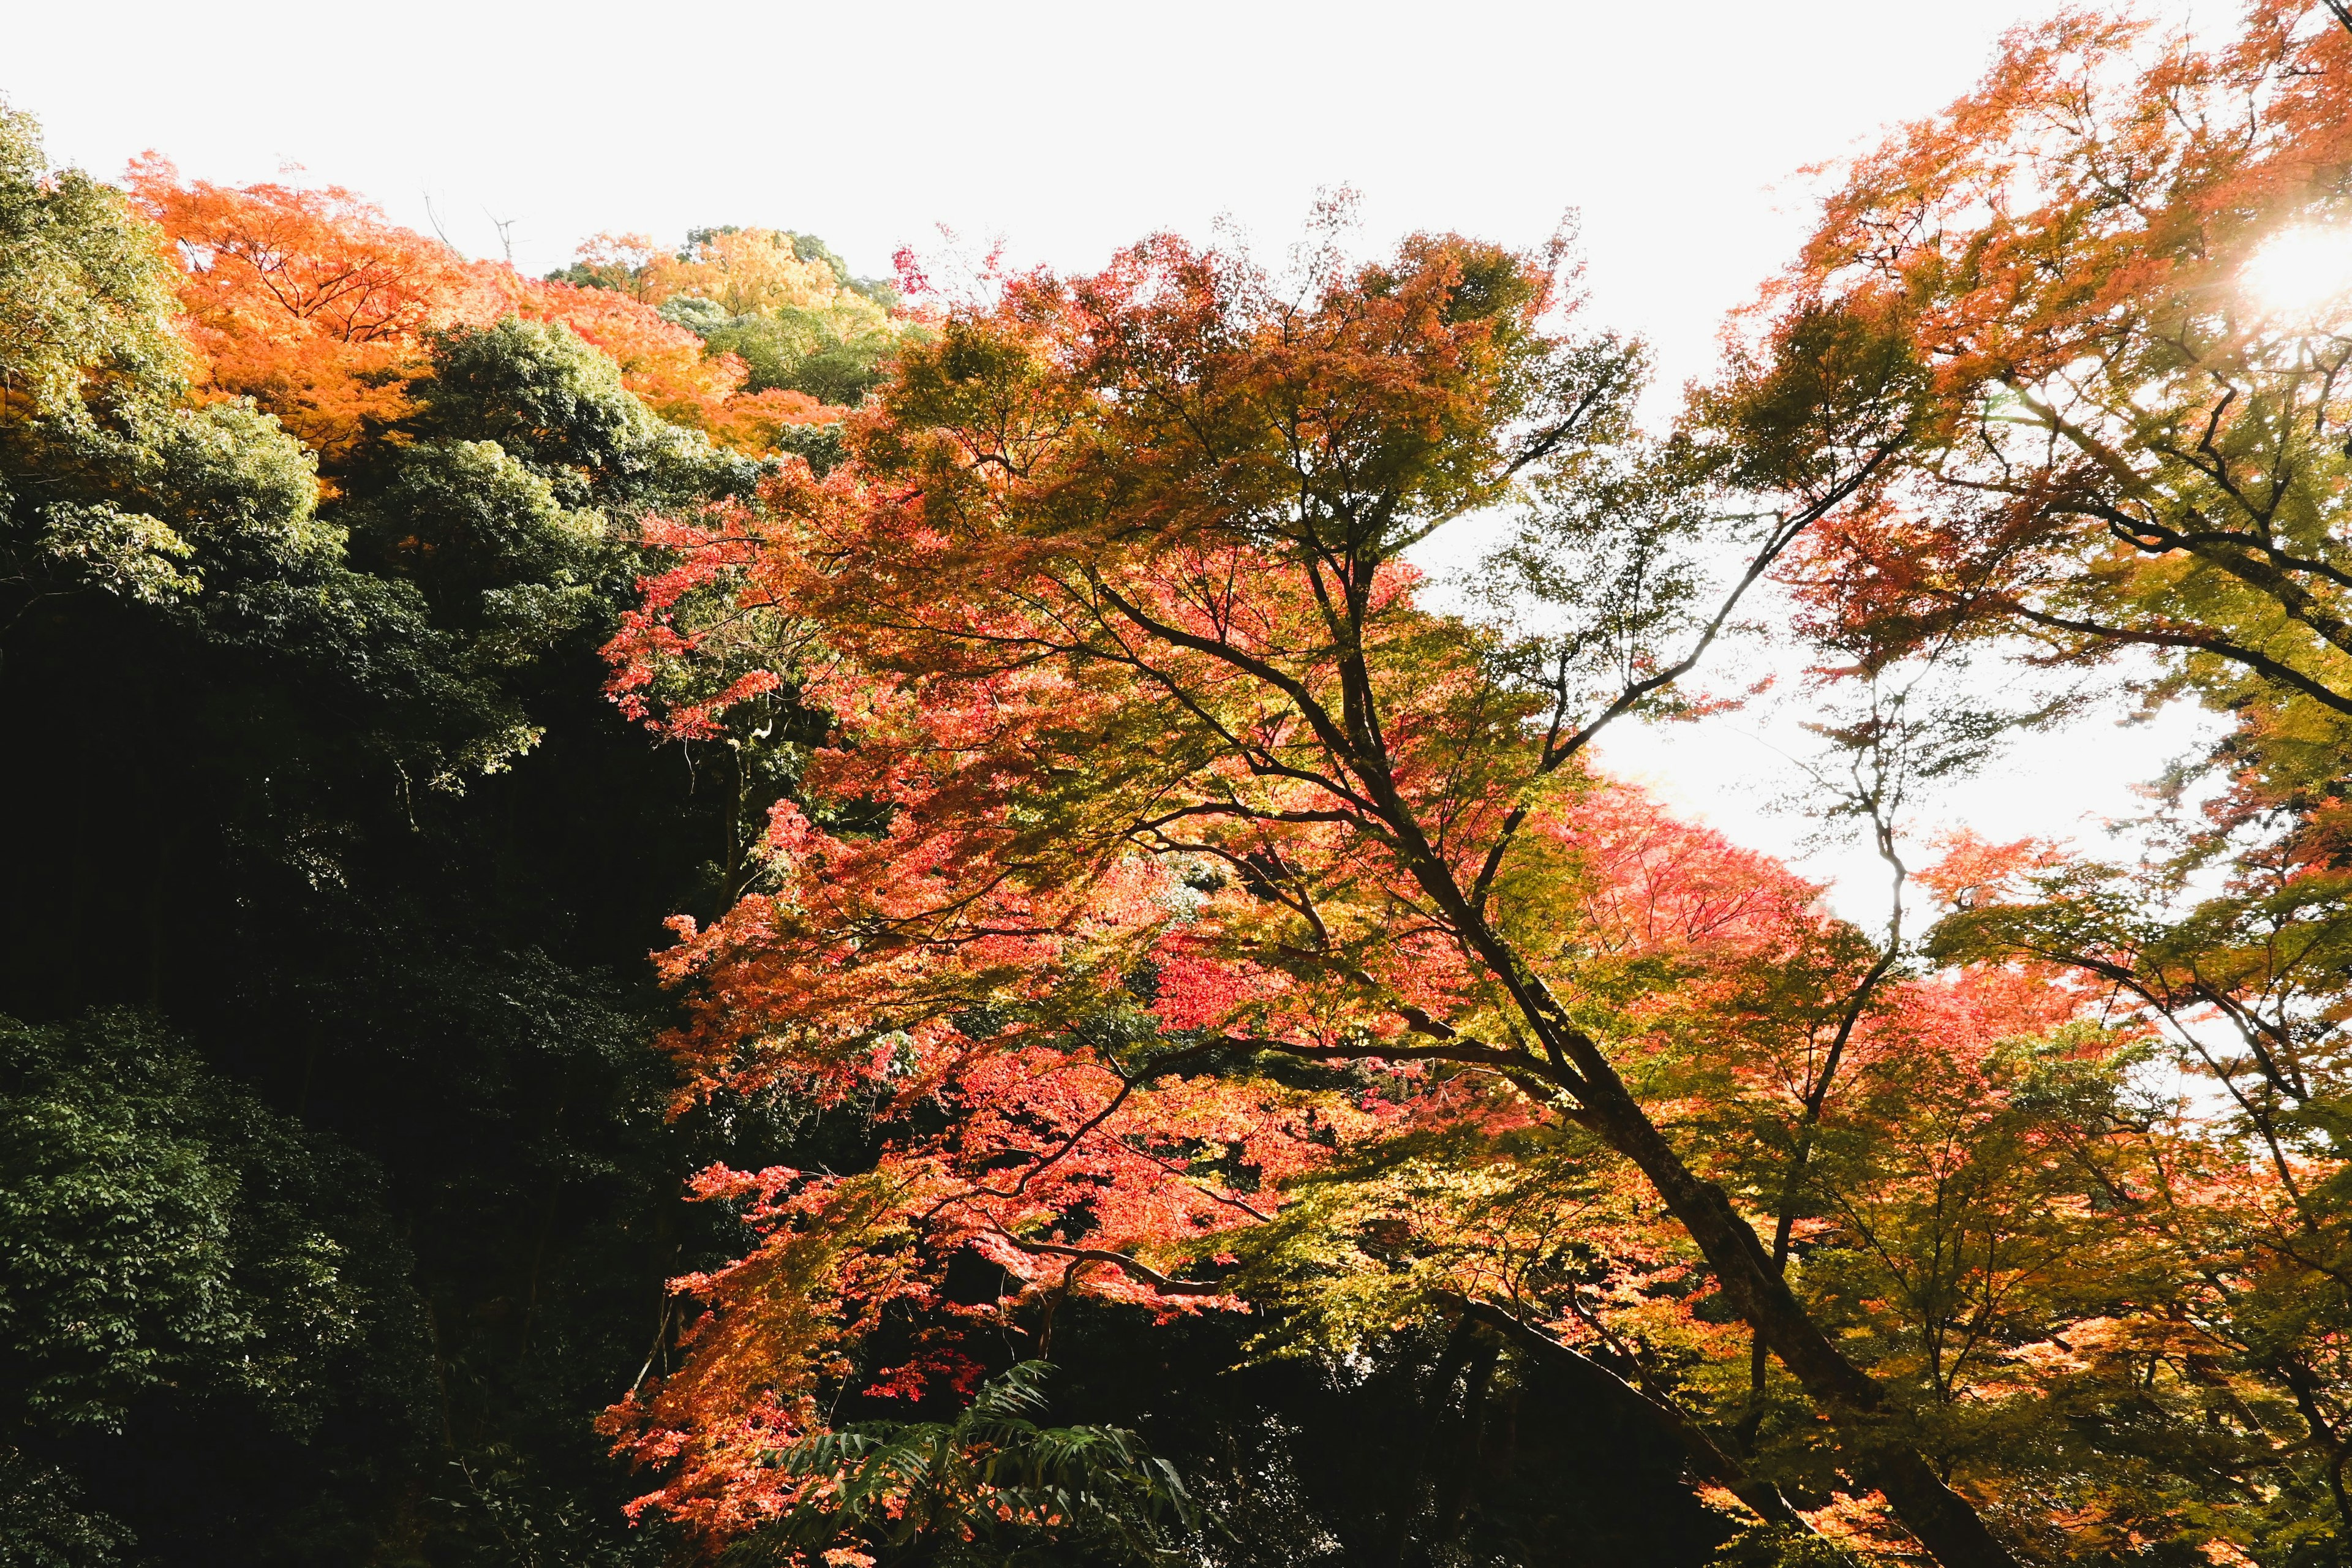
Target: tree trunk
1943, 1521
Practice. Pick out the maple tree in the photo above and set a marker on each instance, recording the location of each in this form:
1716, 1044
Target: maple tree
2134, 435
1180, 785
2117, 270
309, 300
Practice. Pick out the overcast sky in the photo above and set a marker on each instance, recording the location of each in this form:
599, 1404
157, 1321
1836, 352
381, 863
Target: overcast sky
1679, 131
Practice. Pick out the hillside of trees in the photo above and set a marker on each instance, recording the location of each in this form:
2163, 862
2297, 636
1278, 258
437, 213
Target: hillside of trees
710, 911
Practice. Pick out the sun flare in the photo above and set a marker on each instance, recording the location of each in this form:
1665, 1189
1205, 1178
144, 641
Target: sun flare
2300, 272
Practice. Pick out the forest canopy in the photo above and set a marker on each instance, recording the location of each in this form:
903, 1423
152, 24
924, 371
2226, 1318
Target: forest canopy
709, 909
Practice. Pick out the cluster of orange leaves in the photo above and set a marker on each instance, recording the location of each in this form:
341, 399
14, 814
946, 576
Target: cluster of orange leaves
2063, 231
309, 300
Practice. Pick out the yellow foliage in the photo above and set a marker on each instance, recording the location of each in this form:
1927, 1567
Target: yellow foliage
748, 271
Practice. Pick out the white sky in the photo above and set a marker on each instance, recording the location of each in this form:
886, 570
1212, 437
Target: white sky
1068, 129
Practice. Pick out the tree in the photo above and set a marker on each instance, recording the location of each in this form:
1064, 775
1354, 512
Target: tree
163, 1230
2136, 428
169, 1246
783, 304
1162, 842
309, 300
2116, 269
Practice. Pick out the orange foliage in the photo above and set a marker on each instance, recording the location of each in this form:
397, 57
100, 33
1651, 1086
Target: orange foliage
311, 301
319, 307
665, 364
2060, 270
619, 262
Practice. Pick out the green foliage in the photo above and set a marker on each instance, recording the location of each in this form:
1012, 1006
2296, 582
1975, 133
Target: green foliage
483, 536
159, 1228
45, 1521
1847, 382
1782, 1546
552, 401
128, 554
990, 1487
84, 300
106, 483
836, 354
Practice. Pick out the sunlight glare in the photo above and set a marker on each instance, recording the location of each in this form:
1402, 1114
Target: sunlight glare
2301, 271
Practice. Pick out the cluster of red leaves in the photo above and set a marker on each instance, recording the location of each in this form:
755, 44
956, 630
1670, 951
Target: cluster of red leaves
773, 1334
959, 957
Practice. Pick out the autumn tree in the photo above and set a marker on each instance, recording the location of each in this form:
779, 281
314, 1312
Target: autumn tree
782, 304
1178, 784
309, 300
2109, 265
2118, 268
